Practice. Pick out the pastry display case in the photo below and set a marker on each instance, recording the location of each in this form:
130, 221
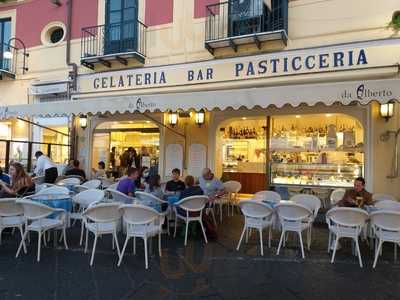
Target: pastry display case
314, 175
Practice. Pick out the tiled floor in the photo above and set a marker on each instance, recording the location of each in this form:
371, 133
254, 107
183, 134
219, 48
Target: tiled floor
213, 271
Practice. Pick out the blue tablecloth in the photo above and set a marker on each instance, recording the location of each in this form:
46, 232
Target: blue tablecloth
55, 201
172, 199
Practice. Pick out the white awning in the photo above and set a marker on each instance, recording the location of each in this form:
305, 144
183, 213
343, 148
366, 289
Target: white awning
383, 90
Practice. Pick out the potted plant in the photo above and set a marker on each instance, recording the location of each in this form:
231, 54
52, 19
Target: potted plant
395, 23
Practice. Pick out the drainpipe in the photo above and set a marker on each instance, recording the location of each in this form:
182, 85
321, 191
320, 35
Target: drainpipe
73, 74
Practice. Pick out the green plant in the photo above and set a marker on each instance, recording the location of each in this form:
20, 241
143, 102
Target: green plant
395, 23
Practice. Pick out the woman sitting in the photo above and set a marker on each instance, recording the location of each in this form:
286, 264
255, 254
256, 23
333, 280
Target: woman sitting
21, 182
154, 187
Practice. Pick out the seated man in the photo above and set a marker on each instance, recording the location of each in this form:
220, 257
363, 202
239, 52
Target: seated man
127, 185
211, 186
357, 196
175, 185
76, 170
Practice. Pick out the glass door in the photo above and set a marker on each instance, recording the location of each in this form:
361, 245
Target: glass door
5, 35
121, 26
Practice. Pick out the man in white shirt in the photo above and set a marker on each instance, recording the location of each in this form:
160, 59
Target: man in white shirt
44, 166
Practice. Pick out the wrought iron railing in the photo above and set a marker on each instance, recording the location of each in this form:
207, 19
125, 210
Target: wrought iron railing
104, 40
233, 18
8, 58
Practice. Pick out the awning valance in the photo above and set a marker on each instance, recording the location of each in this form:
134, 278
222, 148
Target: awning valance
383, 90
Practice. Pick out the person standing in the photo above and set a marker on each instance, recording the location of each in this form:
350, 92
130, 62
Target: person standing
45, 166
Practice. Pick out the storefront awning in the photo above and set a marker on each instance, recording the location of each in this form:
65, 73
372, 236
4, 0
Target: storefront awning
363, 92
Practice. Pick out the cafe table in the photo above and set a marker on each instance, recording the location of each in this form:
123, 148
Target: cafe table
55, 201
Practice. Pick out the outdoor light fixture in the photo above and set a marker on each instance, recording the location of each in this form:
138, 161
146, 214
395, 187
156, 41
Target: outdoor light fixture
83, 121
387, 110
172, 118
8, 53
200, 117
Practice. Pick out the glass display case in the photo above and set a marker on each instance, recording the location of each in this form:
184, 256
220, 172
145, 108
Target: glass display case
314, 175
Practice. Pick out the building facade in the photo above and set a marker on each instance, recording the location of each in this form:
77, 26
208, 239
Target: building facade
271, 93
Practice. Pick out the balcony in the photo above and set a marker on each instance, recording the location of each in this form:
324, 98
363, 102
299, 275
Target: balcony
107, 44
234, 23
8, 60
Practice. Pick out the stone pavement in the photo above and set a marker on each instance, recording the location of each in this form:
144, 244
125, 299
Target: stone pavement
213, 271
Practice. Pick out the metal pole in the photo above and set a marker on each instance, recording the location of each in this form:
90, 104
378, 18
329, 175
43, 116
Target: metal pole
29, 165
42, 126
7, 162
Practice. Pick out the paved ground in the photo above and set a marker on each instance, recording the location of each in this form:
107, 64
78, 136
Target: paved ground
213, 271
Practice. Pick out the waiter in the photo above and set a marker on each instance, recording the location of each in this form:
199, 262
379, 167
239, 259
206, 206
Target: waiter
46, 167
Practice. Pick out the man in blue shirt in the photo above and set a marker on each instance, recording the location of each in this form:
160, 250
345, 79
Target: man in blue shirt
127, 185
211, 186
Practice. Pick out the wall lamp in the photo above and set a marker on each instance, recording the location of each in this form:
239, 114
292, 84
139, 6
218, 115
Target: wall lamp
83, 121
173, 118
387, 110
10, 52
200, 117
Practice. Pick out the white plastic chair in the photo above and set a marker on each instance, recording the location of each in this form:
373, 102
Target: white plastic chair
107, 182
11, 216
141, 222
84, 200
345, 222
192, 212
269, 196
377, 197
386, 227
102, 219
314, 204
149, 200
54, 190
91, 184
388, 205
258, 216
117, 196
336, 196
37, 219
39, 187
232, 188
70, 181
294, 218
113, 186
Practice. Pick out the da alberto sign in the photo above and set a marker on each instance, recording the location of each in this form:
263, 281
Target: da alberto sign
316, 60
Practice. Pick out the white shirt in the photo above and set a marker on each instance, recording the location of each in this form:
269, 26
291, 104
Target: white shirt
43, 163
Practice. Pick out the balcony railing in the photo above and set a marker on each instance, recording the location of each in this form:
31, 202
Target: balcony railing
8, 61
231, 23
105, 43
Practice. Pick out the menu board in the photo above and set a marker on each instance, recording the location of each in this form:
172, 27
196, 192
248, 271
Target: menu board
173, 158
197, 159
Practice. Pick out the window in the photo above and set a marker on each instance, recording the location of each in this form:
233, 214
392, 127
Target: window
5, 35
121, 26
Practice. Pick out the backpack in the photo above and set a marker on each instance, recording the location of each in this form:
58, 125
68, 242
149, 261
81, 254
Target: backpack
209, 226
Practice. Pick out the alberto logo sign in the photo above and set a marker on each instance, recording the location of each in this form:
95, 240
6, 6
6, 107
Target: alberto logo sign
362, 92
317, 60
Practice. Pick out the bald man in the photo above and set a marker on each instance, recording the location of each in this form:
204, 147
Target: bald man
211, 186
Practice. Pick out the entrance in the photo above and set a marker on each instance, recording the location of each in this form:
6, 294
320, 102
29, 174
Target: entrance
112, 139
